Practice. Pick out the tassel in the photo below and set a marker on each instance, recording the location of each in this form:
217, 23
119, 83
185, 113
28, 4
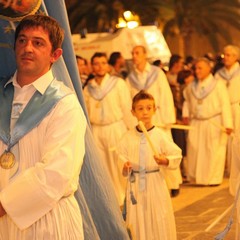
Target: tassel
129, 233
124, 210
132, 179
222, 234
133, 199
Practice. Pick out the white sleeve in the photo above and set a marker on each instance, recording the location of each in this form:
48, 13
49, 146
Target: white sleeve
166, 99
185, 109
171, 150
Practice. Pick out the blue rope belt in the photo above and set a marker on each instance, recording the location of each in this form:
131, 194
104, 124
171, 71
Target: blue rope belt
149, 171
131, 179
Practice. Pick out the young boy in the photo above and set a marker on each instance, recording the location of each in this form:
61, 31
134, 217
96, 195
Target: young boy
150, 214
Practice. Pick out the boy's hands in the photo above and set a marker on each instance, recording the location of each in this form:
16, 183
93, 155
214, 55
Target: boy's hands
229, 131
161, 159
127, 168
185, 120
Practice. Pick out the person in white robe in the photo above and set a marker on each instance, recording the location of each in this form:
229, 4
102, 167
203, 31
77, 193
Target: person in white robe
152, 79
108, 104
235, 178
209, 115
148, 209
42, 130
230, 76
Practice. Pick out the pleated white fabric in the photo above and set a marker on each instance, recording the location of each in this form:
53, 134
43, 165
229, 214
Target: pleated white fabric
152, 217
39, 197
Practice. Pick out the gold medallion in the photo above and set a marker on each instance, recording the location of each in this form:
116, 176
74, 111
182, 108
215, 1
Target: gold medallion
7, 160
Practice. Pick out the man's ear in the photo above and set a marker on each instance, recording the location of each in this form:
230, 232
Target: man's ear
133, 113
56, 55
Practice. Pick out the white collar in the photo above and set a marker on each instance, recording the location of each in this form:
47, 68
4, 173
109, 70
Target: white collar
39, 84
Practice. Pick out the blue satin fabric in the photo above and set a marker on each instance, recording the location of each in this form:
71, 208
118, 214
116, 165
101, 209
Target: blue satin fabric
40, 104
151, 78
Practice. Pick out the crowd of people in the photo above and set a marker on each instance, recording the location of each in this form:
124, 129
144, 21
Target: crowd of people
194, 103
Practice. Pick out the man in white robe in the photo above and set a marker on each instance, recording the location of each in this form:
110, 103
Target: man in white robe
230, 75
209, 113
108, 104
153, 80
42, 130
235, 178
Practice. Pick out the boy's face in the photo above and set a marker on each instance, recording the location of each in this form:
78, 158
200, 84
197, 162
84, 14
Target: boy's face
144, 110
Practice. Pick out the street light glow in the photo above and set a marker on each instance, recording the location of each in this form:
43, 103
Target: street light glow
132, 24
128, 20
128, 15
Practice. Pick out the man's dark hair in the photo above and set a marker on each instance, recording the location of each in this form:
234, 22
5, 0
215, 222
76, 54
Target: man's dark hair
82, 58
97, 55
49, 24
157, 63
182, 75
173, 60
114, 57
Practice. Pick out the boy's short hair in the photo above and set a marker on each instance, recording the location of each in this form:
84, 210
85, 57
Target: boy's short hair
141, 95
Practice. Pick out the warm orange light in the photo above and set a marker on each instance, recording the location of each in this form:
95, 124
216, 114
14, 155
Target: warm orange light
128, 20
132, 24
128, 15
121, 23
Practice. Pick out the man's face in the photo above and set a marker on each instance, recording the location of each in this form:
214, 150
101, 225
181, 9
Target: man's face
100, 66
189, 79
202, 70
179, 65
82, 67
33, 51
230, 57
138, 56
121, 61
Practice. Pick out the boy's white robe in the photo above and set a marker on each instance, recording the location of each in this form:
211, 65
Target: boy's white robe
152, 217
165, 112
